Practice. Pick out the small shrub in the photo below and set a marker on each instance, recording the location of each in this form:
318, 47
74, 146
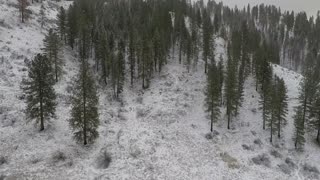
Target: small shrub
247, 147
275, 154
3, 160
290, 163
104, 160
310, 169
262, 159
257, 142
59, 156
285, 168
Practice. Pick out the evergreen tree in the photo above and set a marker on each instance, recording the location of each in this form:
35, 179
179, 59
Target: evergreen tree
221, 78
213, 92
230, 88
266, 81
52, 50
206, 38
42, 16
40, 94
281, 106
132, 54
299, 128
23, 4
315, 123
72, 25
120, 67
62, 23
84, 119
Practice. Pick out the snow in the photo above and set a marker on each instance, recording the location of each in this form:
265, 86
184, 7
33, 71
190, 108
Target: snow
158, 133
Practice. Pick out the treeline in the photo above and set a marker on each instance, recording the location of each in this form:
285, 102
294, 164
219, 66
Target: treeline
135, 39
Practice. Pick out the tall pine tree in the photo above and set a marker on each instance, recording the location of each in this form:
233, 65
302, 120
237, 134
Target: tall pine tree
40, 94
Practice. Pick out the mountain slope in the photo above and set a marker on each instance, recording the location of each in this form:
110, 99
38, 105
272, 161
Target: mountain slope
159, 133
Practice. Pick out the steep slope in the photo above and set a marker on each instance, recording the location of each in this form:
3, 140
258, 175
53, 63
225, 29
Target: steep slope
159, 133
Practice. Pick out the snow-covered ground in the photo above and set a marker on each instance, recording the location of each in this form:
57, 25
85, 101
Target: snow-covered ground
159, 133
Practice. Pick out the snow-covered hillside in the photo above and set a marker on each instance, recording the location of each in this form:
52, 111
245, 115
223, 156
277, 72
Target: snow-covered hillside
159, 133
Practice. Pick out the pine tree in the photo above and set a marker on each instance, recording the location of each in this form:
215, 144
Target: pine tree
271, 103
221, 78
207, 33
213, 93
132, 54
72, 26
42, 16
315, 123
84, 119
188, 52
120, 67
23, 4
39, 91
230, 88
281, 107
299, 128
62, 23
266, 81
52, 50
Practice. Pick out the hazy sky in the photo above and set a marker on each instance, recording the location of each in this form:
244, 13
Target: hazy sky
311, 7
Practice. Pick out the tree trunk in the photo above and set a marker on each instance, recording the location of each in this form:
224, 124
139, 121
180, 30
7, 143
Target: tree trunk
279, 126
318, 131
84, 105
180, 52
41, 112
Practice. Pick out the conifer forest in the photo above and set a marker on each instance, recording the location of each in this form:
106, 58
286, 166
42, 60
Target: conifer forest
158, 89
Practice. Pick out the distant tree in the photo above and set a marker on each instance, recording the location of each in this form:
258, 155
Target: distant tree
206, 39
266, 86
120, 67
299, 128
213, 92
221, 78
281, 107
132, 54
42, 16
62, 19
230, 88
40, 94
72, 26
23, 4
52, 49
315, 123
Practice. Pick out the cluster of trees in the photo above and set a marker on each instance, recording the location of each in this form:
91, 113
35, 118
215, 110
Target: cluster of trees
136, 39
45, 70
274, 38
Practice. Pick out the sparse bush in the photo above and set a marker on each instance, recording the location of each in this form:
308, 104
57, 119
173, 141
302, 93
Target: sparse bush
209, 136
310, 169
285, 168
104, 160
139, 99
231, 161
262, 159
275, 154
3, 160
257, 142
247, 147
135, 152
59, 156
290, 162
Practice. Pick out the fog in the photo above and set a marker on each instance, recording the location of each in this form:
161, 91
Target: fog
311, 7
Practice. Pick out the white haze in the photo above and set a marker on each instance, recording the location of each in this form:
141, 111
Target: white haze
311, 7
